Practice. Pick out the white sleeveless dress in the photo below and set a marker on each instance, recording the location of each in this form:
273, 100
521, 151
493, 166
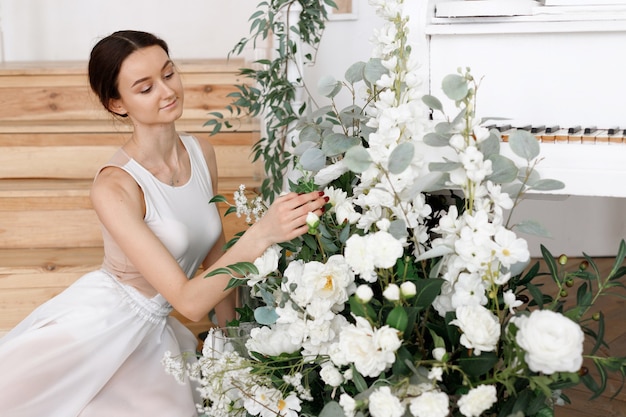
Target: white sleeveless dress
96, 349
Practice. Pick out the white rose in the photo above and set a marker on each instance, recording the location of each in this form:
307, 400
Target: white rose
430, 404
271, 341
382, 403
348, 404
478, 400
331, 375
481, 329
553, 343
385, 249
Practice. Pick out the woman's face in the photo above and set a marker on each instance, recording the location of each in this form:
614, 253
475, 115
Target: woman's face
150, 88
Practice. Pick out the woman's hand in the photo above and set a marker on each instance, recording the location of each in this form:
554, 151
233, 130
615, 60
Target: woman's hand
286, 217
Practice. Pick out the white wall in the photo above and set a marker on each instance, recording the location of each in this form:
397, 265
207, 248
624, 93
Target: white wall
51, 30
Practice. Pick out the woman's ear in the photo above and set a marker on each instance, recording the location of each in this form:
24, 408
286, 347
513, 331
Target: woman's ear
116, 106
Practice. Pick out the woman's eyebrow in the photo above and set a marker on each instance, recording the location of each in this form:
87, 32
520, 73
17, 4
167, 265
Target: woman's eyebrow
168, 62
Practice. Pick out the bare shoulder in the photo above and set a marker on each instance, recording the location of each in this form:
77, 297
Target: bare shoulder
114, 187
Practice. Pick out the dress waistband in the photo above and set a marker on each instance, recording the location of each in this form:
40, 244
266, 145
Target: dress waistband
154, 309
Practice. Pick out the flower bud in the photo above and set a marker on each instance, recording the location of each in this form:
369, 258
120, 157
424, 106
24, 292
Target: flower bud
563, 259
392, 292
364, 293
408, 289
312, 220
439, 353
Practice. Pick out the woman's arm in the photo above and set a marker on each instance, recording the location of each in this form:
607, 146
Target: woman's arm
118, 201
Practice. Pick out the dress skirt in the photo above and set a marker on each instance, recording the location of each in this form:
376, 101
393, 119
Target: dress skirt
95, 350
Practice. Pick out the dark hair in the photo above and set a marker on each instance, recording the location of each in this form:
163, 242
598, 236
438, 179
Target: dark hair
107, 57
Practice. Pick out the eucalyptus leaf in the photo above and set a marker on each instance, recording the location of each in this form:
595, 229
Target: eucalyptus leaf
401, 157
309, 133
374, 69
313, 159
548, 185
397, 229
490, 146
503, 169
432, 102
354, 73
444, 166
429, 182
303, 147
532, 227
455, 87
436, 139
524, 144
327, 86
435, 252
357, 159
332, 409
265, 315
337, 143
444, 128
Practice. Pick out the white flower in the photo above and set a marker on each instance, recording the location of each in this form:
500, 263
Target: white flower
509, 248
385, 248
478, 400
552, 342
358, 257
430, 404
392, 292
265, 264
372, 351
435, 373
382, 403
348, 404
331, 375
438, 353
511, 301
408, 289
364, 293
271, 341
312, 220
480, 327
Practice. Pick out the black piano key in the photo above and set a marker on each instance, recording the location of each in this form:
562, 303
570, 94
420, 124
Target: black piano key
525, 127
536, 129
590, 129
613, 130
552, 129
489, 127
503, 128
574, 129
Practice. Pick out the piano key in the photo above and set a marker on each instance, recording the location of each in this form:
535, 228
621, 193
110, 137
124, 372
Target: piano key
552, 129
561, 136
503, 128
602, 136
616, 136
525, 127
589, 130
574, 129
613, 130
537, 129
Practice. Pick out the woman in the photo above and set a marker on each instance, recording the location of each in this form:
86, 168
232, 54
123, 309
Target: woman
96, 349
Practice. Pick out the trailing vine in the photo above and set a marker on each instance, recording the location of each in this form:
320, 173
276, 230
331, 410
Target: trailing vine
273, 90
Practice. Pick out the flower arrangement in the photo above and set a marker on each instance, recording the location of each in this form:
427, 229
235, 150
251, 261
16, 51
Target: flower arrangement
411, 295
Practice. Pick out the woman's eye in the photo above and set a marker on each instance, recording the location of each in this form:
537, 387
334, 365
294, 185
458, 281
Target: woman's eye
145, 90
168, 75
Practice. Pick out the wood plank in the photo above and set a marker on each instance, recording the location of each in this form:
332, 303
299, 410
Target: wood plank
50, 228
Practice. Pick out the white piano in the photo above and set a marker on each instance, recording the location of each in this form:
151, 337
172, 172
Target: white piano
548, 65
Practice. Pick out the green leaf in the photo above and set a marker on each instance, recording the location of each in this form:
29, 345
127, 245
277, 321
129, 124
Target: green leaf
532, 227
432, 102
265, 315
357, 378
427, 291
374, 69
398, 319
524, 144
357, 159
354, 73
444, 166
218, 199
313, 159
436, 139
491, 145
310, 133
548, 185
401, 157
478, 365
504, 170
328, 86
332, 409
455, 87
338, 143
